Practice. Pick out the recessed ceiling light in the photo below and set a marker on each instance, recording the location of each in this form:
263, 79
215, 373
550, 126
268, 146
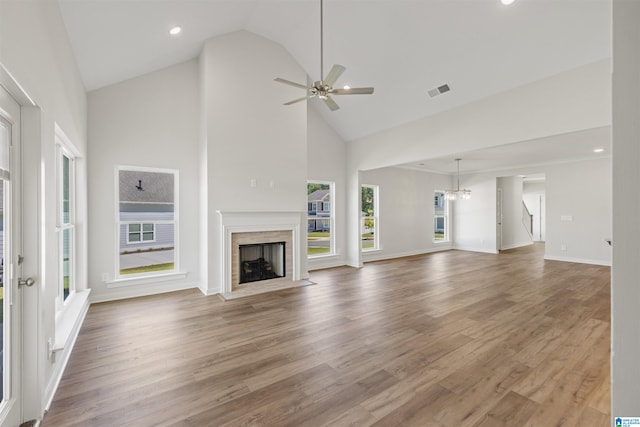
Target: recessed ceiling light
598, 150
174, 31
507, 2
346, 87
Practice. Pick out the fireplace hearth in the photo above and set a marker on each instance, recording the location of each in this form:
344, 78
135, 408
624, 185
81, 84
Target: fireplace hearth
261, 261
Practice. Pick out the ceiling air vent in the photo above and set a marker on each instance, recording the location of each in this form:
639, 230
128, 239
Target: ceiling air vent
438, 90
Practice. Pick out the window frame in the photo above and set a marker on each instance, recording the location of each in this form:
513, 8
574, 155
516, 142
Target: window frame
330, 219
141, 232
119, 223
375, 217
446, 203
64, 149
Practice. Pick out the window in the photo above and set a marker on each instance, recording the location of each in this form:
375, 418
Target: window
147, 221
440, 217
320, 240
65, 218
141, 233
369, 222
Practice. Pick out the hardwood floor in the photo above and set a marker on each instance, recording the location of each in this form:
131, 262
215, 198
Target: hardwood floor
446, 339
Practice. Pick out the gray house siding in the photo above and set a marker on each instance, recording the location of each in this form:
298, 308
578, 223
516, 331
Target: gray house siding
164, 233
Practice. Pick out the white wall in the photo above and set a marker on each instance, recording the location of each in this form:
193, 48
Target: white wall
474, 220
571, 191
575, 100
35, 51
149, 121
249, 135
581, 190
514, 233
326, 161
625, 292
405, 211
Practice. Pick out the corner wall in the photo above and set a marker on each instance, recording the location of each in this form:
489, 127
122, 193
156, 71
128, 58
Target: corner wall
148, 121
572, 189
326, 161
256, 148
405, 211
625, 287
35, 51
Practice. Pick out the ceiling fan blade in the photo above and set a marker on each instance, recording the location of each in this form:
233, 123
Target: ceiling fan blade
336, 71
296, 100
290, 83
331, 103
353, 91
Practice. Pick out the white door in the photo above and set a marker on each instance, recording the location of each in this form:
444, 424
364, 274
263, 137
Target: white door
499, 219
10, 270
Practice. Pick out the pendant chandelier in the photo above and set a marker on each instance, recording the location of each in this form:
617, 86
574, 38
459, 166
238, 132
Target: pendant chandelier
458, 194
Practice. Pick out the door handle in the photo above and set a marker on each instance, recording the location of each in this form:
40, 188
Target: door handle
26, 282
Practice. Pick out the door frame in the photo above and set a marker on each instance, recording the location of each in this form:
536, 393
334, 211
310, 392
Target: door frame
12, 352
29, 182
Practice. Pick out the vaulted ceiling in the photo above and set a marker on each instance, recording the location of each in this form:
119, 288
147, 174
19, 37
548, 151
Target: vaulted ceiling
402, 47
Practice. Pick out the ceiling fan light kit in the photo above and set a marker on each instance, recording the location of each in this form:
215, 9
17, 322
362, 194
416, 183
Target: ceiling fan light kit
323, 88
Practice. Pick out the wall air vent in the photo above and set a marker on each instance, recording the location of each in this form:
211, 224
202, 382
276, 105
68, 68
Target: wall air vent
438, 90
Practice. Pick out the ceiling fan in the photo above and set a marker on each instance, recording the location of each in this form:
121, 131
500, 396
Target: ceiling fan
324, 87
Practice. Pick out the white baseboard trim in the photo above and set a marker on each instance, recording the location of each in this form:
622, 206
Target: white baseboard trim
207, 292
320, 263
115, 294
475, 249
578, 260
381, 256
64, 355
516, 245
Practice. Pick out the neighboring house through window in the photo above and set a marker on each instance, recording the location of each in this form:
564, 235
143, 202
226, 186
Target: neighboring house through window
440, 217
147, 221
369, 222
320, 238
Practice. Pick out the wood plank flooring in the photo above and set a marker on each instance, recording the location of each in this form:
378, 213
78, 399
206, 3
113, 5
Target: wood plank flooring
439, 340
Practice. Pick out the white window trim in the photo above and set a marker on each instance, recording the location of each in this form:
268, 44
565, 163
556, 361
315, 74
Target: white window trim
447, 232
331, 218
141, 232
141, 278
65, 148
375, 218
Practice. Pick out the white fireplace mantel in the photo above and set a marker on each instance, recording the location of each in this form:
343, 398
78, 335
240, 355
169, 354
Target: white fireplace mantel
253, 221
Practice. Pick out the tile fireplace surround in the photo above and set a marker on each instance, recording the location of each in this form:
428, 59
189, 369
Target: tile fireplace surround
240, 228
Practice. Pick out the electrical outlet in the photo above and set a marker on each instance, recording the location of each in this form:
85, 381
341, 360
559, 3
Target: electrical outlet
105, 277
253, 183
563, 248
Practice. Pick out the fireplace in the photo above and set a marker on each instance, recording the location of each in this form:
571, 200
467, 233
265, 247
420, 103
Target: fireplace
257, 228
262, 261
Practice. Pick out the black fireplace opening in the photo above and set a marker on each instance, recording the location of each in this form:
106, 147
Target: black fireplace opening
262, 261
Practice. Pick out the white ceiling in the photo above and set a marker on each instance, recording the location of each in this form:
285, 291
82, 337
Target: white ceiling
527, 154
402, 47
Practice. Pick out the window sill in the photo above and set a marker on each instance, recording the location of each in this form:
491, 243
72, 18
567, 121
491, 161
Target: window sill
440, 242
321, 256
144, 280
371, 251
67, 319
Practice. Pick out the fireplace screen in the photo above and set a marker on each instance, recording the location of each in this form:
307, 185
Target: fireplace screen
262, 261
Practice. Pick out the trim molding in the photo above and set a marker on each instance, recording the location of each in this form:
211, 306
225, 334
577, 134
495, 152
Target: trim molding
64, 353
578, 260
382, 256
